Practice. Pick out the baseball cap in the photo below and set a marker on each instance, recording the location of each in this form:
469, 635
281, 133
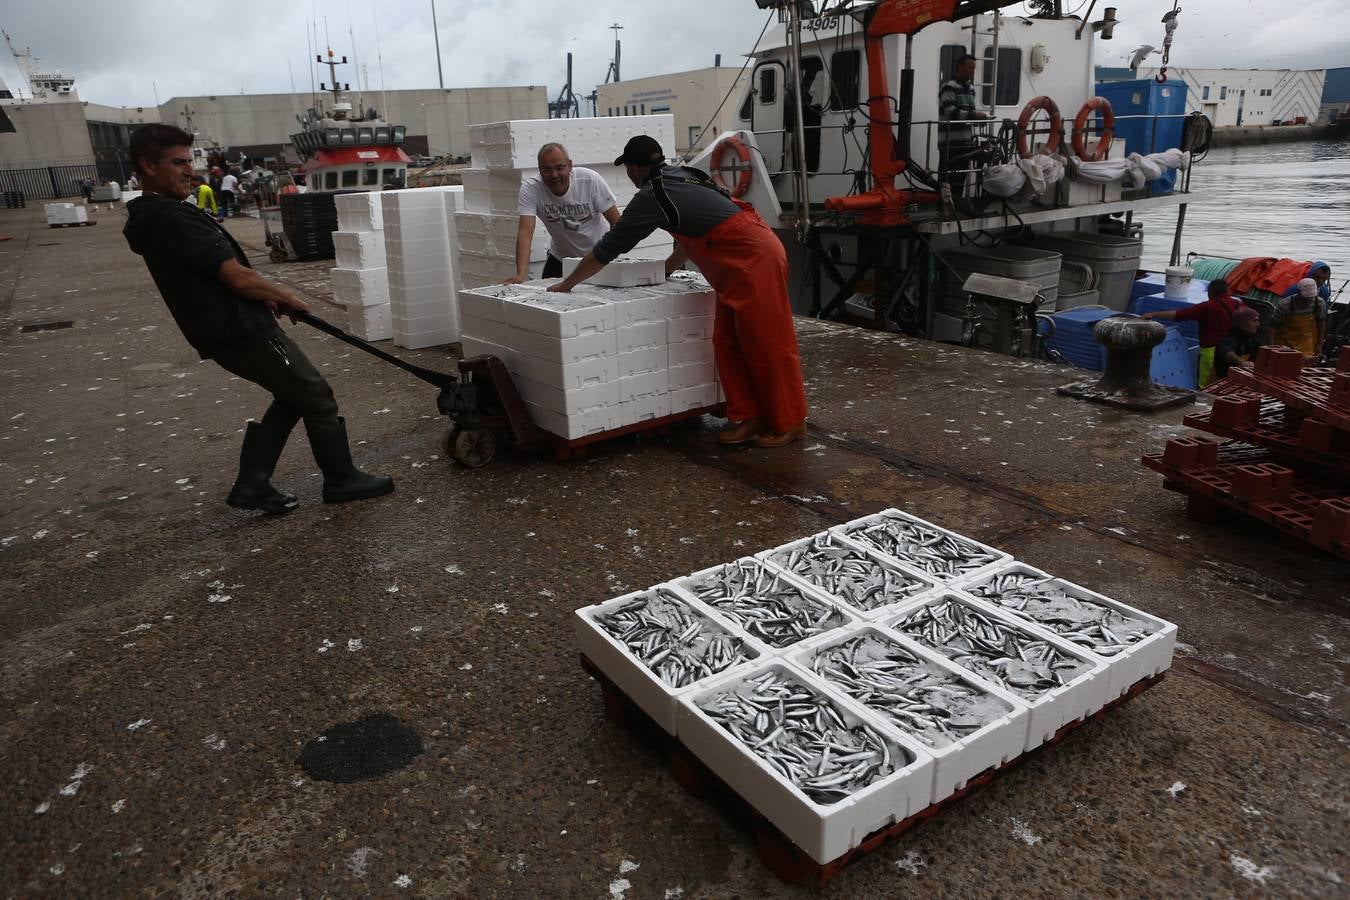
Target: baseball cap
641, 150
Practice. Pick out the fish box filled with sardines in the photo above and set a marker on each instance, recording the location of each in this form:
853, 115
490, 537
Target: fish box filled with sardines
850, 679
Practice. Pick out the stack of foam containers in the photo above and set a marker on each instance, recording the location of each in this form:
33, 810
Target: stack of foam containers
932, 773
66, 214
505, 154
602, 357
361, 279
419, 243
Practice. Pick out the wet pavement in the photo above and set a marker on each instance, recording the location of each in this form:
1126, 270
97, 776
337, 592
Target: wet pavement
167, 660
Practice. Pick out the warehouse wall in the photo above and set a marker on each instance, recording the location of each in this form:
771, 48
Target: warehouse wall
691, 97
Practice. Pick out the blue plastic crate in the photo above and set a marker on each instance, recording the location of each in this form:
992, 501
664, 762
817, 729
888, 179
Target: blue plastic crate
1074, 339
1148, 118
1156, 283
1175, 362
1157, 302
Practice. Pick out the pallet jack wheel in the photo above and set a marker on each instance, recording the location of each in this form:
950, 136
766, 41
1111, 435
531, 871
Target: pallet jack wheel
278, 256
472, 447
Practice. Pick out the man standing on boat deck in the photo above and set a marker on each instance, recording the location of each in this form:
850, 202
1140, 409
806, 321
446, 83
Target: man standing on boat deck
956, 105
1215, 317
576, 205
228, 313
754, 340
1300, 321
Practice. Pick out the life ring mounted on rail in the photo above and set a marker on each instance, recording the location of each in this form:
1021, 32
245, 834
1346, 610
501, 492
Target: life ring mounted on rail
1080, 126
733, 174
1056, 126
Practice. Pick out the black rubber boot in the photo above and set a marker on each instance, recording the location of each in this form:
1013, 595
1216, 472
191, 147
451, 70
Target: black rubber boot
342, 480
263, 443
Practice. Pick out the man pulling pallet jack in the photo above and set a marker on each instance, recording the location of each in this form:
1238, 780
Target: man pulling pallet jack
754, 342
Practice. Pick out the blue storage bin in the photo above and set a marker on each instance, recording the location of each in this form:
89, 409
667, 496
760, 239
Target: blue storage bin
1157, 302
1073, 337
1156, 283
1138, 102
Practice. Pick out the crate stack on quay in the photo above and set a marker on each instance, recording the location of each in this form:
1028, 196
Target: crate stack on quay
505, 153
848, 684
420, 246
1285, 455
361, 280
605, 356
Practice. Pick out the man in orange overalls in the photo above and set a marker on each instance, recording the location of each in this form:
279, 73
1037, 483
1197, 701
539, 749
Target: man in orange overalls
754, 341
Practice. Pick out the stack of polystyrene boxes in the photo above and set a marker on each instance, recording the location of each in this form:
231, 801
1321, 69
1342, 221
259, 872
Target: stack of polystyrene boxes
599, 358
927, 763
505, 154
419, 241
66, 214
361, 281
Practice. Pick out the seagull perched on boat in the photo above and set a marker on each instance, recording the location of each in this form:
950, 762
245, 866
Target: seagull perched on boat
1140, 55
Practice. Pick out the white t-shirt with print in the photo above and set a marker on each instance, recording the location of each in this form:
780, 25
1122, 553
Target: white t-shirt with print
576, 220
229, 183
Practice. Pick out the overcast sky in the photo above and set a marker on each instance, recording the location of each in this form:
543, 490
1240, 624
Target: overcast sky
121, 53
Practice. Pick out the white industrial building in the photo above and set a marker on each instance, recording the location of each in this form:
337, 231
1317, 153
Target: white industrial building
1250, 96
691, 97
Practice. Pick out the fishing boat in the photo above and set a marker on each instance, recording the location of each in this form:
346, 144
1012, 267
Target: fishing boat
348, 149
889, 210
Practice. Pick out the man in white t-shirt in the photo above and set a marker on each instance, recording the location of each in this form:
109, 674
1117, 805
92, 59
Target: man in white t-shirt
576, 205
229, 186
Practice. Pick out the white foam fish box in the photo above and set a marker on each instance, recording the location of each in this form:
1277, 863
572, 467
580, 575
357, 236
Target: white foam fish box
596, 139
698, 397
1142, 659
361, 287
370, 323
359, 249
578, 423
916, 584
999, 742
360, 211
854, 532
622, 272
559, 315
1050, 710
66, 213
689, 585
638, 681
824, 832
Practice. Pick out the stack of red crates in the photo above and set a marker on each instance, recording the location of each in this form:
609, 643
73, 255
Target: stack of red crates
1285, 459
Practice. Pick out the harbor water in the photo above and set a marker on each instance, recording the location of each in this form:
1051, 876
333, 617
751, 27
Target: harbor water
1274, 200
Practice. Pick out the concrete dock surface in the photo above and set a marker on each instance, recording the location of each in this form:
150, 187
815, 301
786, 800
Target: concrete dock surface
166, 658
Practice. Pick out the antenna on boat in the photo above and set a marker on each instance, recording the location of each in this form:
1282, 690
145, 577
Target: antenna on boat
379, 56
614, 63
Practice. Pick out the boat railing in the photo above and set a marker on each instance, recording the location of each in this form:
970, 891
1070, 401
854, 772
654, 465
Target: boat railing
961, 158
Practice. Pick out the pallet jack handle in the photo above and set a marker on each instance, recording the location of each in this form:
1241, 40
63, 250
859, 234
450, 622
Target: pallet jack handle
439, 379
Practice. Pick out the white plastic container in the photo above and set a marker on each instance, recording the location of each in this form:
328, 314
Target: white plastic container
635, 678
1083, 695
1000, 741
1178, 283
1141, 659
823, 832
855, 532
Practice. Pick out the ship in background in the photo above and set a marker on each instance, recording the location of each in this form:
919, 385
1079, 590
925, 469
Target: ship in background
346, 149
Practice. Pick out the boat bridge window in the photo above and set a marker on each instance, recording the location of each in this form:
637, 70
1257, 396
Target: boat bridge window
1009, 76
844, 68
330, 180
332, 137
399, 131
1223, 93
371, 176
768, 85
350, 177
748, 107
381, 134
947, 58
348, 137
365, 134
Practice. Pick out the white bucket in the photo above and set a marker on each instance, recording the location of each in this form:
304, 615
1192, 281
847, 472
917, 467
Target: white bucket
1178, 286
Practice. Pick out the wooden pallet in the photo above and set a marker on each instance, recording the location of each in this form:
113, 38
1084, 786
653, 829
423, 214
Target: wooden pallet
788, 862
565, 448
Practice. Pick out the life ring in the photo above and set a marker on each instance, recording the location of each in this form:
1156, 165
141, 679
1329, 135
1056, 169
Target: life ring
721, 170
1056, 126
1080, 125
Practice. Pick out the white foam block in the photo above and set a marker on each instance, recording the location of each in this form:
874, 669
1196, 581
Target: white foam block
559, 315
690, 328
582, 423
370, 323
359, 249
641, 335
361, 287
569, 376
648, 383
360, 211
691, 375
482, 329
567, 402
699, 396
645, 408
687, 353
622, 272
561, 350
640, 362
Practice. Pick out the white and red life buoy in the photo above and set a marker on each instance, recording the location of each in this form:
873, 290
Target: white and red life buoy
731, 166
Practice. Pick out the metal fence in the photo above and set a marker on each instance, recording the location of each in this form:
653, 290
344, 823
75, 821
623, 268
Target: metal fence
55, 182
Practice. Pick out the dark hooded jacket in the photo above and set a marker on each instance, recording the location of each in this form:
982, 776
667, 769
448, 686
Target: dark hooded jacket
184, 248
1323, 290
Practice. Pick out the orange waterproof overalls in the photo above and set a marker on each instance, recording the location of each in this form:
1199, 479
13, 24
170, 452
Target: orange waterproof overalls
754, 340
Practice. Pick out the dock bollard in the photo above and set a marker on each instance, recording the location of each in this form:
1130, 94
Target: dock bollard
1127, 382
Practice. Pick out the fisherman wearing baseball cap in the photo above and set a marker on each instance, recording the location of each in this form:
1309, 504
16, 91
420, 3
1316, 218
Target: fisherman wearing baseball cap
1300, 320
754, 340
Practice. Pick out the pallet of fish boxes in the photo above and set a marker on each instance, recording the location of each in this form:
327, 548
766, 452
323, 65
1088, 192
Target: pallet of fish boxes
419, 242
505, 154
361, 279
846, 681
596, 359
